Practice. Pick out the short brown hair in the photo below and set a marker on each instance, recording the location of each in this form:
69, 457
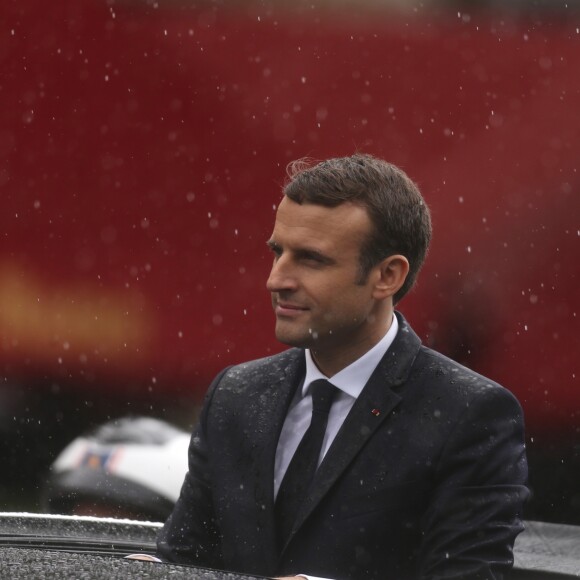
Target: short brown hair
401, 219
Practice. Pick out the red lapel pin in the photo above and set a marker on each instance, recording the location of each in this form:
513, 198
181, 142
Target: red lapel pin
376, 412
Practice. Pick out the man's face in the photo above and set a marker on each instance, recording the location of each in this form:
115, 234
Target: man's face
317, 302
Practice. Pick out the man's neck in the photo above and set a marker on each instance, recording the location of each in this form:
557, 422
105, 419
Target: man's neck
332, 360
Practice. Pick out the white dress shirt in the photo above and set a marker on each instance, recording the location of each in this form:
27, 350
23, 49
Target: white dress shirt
350, 381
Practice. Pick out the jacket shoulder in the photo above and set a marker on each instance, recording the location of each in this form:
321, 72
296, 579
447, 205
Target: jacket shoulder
446, 373
253, 370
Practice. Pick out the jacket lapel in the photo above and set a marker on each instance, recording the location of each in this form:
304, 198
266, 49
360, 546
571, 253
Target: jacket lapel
268, 407
379, 397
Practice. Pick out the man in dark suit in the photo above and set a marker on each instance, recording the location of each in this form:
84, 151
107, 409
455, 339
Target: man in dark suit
419, 468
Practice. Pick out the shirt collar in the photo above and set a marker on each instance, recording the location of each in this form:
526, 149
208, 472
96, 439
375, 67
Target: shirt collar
355, 376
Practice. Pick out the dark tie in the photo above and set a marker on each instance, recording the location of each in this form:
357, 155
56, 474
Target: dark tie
300, 472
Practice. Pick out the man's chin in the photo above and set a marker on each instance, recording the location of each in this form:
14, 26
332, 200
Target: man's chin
296, 339
290, 341
299, 340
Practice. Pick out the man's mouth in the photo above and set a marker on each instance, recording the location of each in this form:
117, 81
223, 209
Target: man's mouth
282, 308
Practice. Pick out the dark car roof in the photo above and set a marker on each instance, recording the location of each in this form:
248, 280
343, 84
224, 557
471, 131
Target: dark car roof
54, 546
546, 550
25, 563
51, 546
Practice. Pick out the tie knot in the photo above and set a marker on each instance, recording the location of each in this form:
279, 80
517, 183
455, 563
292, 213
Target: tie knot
322, 394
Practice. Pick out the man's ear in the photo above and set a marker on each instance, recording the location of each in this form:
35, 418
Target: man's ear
390, 275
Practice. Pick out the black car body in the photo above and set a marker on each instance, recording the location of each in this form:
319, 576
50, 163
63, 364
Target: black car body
53, 546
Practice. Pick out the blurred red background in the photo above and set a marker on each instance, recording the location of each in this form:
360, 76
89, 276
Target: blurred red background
142, 152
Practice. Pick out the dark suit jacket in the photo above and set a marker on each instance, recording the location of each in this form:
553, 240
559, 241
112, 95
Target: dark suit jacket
431, 486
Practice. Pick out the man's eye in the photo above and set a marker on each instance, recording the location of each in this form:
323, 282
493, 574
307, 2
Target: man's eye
275, 250
314, 260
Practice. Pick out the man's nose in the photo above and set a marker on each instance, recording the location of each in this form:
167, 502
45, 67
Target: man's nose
281, 276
